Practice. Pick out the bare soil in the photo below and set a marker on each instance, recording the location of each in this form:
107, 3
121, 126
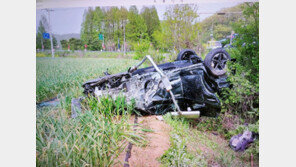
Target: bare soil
158, 143
210, 146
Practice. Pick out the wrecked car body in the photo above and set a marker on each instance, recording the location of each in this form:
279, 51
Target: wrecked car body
187, 84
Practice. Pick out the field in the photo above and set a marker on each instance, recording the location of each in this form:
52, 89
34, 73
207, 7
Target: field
64, 76
101, 132
98, 135
86, 54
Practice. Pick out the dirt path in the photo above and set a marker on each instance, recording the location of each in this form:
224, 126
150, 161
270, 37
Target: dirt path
158, 143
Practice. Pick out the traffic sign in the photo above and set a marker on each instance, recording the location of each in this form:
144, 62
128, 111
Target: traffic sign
46, 35
101, 37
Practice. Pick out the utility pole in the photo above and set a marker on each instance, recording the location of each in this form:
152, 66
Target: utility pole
104, 47
124, 38
118, 45
50, 33
212, 34
42, 46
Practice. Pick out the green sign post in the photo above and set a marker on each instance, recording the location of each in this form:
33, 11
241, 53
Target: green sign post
101, 37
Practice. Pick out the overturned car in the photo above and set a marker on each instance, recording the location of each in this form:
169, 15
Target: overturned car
187, 84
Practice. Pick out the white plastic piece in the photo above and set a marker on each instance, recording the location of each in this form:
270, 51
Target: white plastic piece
159, 117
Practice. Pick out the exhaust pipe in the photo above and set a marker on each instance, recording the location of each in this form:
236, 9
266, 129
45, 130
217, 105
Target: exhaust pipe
187, 114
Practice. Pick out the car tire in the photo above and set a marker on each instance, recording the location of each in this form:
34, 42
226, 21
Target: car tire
185, 54
216, 61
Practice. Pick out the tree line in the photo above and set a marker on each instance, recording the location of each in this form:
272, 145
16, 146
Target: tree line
118, 25
180, 28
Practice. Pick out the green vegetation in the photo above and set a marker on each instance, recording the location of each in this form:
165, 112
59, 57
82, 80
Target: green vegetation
100, 132
136, 28
91, 28
240, 103
191, 146
66, 75
95, 138
243, 98
151, 19
180, 28
73, 43
178, 154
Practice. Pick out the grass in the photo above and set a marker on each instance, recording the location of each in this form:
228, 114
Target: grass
95, 138
178, 153
66, 75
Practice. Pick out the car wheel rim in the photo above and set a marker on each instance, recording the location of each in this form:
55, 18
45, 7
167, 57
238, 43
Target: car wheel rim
219, 61
186, 55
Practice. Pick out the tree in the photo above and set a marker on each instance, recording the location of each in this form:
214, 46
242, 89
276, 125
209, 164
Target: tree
75, 44
247, 42
182, 27
136, 28
151, 19
64, 44
92, 26
221, 31
161, 37
122, 14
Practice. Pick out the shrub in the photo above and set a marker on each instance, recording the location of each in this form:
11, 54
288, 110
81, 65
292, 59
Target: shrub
41, 55
141, 49
242, 97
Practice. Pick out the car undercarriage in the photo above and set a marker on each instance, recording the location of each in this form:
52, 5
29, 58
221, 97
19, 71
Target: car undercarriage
187, 84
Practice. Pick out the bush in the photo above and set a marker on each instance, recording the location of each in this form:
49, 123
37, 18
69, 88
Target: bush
62, 54
141, 49
247, 41
41, 55
242, 98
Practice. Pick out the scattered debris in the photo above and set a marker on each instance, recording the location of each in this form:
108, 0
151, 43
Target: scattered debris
215, 133
49, 103
241, 142
75, 107
159, 117
130, 145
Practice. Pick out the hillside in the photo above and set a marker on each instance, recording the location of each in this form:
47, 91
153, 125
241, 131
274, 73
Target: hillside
66, 36
221, 24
